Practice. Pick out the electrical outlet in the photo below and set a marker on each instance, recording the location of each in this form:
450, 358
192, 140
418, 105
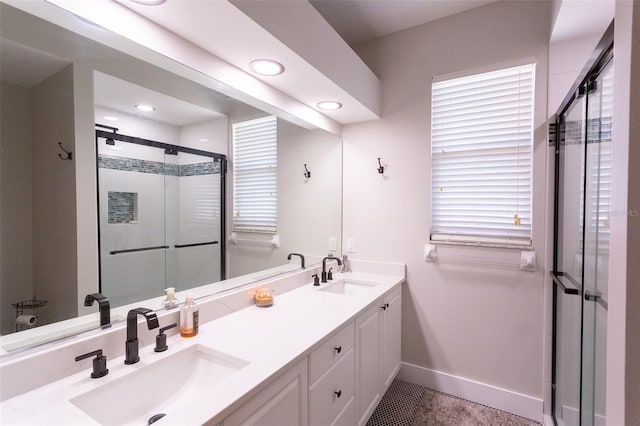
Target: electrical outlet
332, 243
351, 245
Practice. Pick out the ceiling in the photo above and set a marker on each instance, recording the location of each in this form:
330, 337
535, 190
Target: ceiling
122, 96
357, 21
309, 38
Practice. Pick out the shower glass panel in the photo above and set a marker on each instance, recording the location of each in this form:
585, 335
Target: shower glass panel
581, 256
596, 246
161, 217
569, 264
132, 221
193, 226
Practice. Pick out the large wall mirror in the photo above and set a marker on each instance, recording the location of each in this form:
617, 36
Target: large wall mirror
98, 196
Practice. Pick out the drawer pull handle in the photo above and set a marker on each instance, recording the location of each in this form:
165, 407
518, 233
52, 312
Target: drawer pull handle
338, 349
338, 393
383, 307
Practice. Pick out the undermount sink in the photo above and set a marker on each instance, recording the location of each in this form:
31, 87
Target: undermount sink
158, 388
349, 287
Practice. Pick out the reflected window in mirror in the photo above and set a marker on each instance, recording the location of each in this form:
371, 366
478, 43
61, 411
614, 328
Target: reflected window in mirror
255, 175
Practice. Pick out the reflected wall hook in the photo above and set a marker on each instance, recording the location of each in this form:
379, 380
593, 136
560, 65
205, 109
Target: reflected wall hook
380, 167
68, 154
307, 173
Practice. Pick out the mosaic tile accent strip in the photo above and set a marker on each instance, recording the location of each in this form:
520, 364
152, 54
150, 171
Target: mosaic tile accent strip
570, 132
198, 169
122, 207
157, 167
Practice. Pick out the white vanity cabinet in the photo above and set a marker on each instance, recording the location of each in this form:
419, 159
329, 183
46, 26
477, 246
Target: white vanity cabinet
332, 380
377, 352
391, 317
282, 402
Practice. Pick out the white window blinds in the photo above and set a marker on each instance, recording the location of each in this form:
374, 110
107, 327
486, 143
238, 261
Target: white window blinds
255, 196
481, 155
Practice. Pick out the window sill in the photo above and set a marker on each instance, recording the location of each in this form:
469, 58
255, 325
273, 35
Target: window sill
503, 243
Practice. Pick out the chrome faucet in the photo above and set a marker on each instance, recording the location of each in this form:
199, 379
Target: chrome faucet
103, 307
324, 267
297, 254
131, 346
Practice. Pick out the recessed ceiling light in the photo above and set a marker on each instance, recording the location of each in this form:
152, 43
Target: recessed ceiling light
204, 140
149, 2
266, 67
329, 105
145, 108
110, 118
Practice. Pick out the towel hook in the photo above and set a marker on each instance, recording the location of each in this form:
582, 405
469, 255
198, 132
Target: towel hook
68, 154
307, 173
380, 167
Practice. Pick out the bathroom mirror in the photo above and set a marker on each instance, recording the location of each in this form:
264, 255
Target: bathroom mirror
56, 211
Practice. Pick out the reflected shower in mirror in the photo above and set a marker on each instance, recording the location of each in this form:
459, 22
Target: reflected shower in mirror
68, 226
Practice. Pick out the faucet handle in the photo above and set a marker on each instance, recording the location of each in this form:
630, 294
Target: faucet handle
330, 274
161, 338
99, 363
316, 280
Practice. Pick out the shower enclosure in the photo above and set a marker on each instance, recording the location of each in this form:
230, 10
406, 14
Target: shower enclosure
581, 244
161, 217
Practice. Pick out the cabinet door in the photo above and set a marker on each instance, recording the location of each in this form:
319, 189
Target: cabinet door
283, 402
391, 342
368, 362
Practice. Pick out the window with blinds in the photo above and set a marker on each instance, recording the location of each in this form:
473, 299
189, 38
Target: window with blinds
255, 175
481, 157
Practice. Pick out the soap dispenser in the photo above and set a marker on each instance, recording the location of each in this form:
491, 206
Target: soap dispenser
171, 301
189, 317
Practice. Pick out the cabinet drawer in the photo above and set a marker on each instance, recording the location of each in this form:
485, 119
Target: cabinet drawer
348, 415
331, 394
330, 351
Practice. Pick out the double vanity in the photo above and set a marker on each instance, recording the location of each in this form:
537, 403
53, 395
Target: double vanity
321, 355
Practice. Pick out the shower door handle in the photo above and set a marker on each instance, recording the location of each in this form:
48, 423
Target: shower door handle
556, 276
597, 298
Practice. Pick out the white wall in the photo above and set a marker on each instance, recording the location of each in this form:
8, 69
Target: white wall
480, 323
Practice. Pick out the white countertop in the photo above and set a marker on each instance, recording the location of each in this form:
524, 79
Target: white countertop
269, 339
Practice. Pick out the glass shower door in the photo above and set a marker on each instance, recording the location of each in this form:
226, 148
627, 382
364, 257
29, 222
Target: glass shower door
132, 232
596, 246
161, 219
581, 258
194, 220
568, 268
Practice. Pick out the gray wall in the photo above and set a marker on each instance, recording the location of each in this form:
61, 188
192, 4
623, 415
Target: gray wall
54, 197
16, 139
473, 321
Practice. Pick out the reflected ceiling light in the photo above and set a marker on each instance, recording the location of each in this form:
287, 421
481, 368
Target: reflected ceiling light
329, 105
149, 2
266, 67
204, 140
110, 118
145, 108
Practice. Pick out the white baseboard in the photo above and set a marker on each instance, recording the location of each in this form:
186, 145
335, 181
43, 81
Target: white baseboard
502, 399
